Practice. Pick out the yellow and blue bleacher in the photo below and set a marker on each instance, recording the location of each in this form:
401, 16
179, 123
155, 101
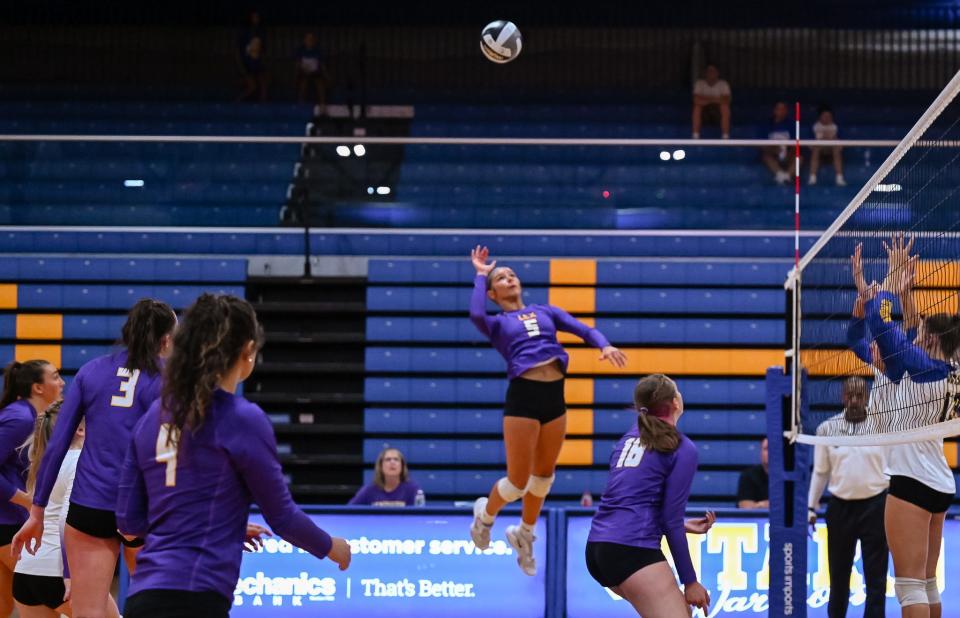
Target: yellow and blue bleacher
716, 325
69, 310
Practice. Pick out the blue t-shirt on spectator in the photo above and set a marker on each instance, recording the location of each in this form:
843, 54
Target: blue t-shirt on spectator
778, 130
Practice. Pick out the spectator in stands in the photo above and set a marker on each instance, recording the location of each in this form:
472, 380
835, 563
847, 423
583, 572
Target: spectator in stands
826, 128
753, 490
780, 160
711, 102
391, 484
311, 72
255, 76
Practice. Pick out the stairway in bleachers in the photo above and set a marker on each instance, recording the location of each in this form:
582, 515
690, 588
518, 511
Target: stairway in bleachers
308, 380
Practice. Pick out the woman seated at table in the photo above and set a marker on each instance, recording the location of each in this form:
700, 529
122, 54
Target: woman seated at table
391, 484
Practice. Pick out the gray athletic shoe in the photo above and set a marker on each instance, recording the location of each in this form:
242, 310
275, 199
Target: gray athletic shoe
522, 542
479, 531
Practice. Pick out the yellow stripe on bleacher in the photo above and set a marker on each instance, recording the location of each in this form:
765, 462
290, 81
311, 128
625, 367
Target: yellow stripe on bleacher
39, 326
580, 422
574, 300
950, 452
929, 302
576, 453
833, 363
578, 390
8, 295
564, 337
50, 353
938, 274
573, 272
679, 361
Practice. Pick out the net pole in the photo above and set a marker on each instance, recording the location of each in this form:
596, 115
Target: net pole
793, 295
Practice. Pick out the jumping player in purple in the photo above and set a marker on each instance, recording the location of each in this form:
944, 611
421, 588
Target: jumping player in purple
199, 457
651, 472
534, 417
111, 393
27, 388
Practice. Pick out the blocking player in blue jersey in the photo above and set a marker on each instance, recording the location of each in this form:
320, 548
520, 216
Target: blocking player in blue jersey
199, 457
111, 393
28, 387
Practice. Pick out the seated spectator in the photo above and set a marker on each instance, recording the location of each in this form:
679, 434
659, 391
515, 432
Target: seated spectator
391, 485
311, 72
826, 128
753, 490
780, 160
255, 78
711, 102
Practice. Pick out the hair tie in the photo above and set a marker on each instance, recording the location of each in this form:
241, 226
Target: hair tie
643, 410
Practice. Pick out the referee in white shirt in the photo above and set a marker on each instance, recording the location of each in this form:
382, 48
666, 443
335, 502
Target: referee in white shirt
858, 488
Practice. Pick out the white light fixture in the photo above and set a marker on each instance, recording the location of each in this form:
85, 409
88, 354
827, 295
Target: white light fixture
888, 188
370, 190
678, 155
133, 183
343, 151
664, 155
359, 150
383, 190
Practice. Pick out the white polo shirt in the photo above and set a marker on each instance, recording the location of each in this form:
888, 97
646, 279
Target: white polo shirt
720, 89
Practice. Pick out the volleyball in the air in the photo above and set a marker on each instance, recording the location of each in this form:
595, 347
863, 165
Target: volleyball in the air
500, 41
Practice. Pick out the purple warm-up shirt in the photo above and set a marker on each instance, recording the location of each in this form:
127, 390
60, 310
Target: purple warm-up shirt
191, 503
646, 499
16, 424
404, 494
527, 337
112, 399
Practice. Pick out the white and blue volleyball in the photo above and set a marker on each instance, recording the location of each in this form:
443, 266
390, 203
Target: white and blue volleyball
500, 41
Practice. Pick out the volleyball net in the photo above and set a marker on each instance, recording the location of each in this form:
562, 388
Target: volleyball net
874, 296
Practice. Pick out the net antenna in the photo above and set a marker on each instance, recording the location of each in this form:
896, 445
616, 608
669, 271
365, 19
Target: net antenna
912, 195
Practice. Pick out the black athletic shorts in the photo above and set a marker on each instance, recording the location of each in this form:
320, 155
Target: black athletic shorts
7, 531
100, 523
541, 401
36, 590
176, 604
922, 495
611, 563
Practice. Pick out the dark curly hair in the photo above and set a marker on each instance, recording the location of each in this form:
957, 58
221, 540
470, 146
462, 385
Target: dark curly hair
211, 338
147, 323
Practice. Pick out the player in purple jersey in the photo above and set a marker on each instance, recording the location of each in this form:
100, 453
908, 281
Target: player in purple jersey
27, 387
111, 393
534, 417
199, 458
651, 472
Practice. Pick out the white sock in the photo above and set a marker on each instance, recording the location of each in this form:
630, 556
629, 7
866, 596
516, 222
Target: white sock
696, 136
726, 136
529, 528
486, 518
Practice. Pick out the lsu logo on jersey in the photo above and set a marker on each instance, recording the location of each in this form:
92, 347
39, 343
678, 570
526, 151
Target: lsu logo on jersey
530, 323
886, 310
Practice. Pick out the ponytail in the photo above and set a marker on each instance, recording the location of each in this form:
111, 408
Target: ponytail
653, 397
19, 378
36, 444
214, 332
658, 434
147, 323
